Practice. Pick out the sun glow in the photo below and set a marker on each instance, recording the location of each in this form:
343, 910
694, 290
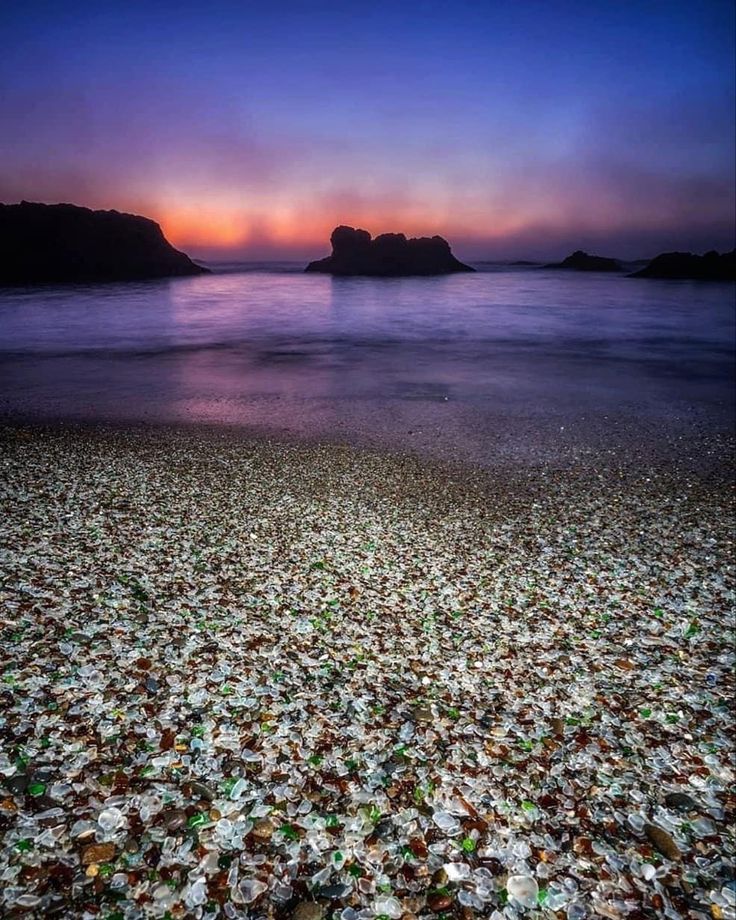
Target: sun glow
310, 229
205, 227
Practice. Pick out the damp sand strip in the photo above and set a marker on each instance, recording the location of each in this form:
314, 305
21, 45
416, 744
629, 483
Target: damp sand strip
245, 679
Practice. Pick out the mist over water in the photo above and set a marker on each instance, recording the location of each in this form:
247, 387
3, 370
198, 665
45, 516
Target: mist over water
425, 362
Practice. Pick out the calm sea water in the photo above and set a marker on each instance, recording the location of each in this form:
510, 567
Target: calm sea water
421, 361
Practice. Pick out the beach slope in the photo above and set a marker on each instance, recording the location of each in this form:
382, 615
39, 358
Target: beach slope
305, 678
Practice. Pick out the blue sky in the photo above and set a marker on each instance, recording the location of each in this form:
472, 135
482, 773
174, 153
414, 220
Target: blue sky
516, 130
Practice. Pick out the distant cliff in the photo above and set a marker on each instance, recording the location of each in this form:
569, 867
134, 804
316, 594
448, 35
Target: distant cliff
61, 242
713, 266
580, 261
388, 255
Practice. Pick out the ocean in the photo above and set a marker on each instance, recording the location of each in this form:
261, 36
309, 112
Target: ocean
459, 364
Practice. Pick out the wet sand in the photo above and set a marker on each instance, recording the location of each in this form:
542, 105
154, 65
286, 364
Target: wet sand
252, 677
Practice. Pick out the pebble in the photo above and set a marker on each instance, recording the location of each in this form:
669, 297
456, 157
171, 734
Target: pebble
252, 889
309, 910
423, 714
384, 829
111, 819
663, 841
389, 907
174, 819
457, 872
17, 784
523, 889
446, 822
334, 892
681, 801
197, 894
204, 792
263, 829
98, 853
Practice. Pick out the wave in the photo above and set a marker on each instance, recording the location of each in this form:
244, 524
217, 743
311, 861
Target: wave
282, 267
699, 357
290, 267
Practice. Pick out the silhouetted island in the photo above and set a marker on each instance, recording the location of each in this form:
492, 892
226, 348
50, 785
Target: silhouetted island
580, 261
42, 243
712, 266
388, 255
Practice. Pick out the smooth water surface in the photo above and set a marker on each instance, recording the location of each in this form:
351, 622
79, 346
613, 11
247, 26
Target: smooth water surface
434, 358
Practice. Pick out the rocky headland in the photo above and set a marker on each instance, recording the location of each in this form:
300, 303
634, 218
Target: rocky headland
45, 243
713, 266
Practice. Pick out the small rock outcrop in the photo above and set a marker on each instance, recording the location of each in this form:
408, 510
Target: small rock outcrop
580, 261
712, 266
43, 243
389, 255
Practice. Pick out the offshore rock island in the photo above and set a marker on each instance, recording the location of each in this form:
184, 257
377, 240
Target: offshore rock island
388, 255
581, 261
712, 266
44, 243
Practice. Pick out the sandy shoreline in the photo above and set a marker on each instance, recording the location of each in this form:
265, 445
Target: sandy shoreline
463, 440
247, 677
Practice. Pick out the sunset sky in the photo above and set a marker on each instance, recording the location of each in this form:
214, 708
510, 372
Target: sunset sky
251, 129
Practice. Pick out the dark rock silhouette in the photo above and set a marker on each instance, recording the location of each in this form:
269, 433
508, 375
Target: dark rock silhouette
388, 255
713, 266
42, 243
580, 261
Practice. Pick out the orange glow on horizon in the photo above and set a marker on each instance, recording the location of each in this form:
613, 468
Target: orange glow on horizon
303, 226
203, 227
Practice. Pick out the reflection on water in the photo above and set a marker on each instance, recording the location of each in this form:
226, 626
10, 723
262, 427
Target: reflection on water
343, 356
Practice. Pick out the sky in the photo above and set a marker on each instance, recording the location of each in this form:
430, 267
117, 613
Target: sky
249, 130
